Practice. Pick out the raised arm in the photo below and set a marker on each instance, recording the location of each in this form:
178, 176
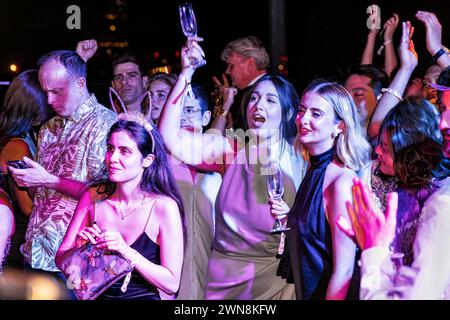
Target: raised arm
434, 37
221, 114
408, 60
367, 57
390, 60
202, 150
86, 49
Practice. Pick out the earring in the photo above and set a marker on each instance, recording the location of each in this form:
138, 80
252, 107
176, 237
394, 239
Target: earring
332, 136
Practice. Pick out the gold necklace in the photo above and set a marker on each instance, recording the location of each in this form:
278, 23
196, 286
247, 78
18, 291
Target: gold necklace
119, 206
131, 211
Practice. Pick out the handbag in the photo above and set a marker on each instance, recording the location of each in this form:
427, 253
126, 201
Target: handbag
90, 271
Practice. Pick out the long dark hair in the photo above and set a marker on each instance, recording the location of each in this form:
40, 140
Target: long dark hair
289, 101
417, 146
158, 177
24, 108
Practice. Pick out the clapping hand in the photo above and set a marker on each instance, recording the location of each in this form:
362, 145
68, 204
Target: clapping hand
389, 27
433, 30
408, 55
369, 226
228, 92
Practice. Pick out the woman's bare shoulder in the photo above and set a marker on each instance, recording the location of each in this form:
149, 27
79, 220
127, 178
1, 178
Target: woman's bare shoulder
162, 202
339, 175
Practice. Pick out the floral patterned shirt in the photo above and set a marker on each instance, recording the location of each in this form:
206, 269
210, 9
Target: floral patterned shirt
72, 147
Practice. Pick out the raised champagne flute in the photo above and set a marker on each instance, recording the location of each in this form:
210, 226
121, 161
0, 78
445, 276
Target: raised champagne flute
189, 27
275, 189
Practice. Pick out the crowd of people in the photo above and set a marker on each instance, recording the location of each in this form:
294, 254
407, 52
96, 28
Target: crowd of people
178, 184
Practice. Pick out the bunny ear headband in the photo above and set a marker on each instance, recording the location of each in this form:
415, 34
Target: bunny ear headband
134, 116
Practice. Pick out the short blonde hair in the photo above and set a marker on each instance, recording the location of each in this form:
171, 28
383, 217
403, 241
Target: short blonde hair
352, 148
249, 47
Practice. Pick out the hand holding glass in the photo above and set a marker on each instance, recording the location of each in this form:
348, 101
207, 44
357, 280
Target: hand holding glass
275, 189
189, 26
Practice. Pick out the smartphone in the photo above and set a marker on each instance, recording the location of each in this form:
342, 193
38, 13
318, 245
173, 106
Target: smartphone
18, 164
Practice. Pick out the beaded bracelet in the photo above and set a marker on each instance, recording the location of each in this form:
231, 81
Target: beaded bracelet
383, 45
393, 92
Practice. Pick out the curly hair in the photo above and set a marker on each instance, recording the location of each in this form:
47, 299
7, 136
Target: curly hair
415, 165
414, 134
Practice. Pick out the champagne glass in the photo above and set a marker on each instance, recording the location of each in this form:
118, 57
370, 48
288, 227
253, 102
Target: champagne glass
189, 27
275, 189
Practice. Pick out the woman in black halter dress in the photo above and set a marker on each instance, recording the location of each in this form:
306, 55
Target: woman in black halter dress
319, 260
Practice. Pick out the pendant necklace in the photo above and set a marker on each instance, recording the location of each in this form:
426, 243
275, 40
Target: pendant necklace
124, 215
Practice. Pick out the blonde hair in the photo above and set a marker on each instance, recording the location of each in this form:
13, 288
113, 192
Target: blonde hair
249, 47
352, 148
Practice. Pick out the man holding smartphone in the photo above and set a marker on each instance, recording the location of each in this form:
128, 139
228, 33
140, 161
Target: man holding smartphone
71, 148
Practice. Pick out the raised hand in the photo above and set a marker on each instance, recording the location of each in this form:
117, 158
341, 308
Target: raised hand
369, 226
389, 27
192, 52
433, 30
408, 55
228, 92
86, 49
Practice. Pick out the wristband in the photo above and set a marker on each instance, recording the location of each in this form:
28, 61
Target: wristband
383, 45
438, 54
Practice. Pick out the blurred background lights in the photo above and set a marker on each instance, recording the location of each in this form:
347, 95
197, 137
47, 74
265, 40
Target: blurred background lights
13, 68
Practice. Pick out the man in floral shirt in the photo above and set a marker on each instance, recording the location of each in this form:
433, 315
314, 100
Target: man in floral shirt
71, 148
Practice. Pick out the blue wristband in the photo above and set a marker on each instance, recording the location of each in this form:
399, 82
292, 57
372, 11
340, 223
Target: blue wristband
438, 54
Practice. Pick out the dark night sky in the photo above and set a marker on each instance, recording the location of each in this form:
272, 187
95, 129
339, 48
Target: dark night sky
324, 37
